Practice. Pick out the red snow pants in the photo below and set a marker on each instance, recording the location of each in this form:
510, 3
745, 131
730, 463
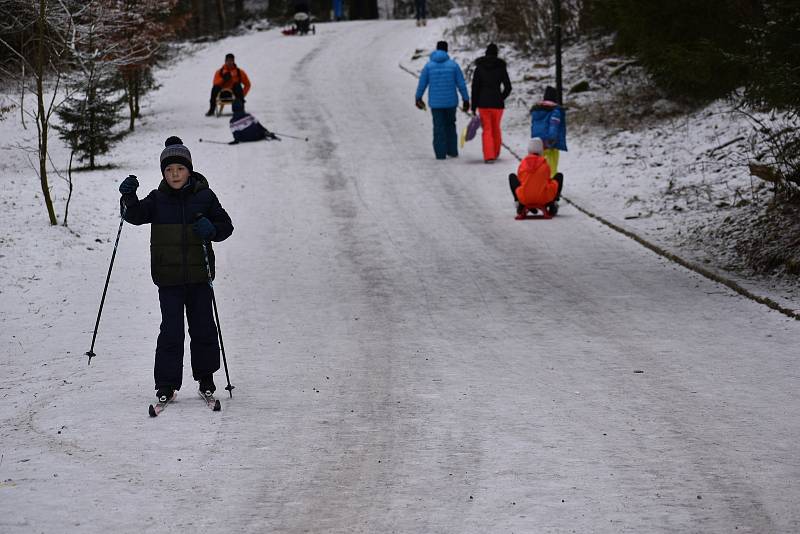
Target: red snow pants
492, 137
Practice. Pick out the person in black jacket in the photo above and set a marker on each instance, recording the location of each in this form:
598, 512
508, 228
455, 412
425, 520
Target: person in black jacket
183, 213
490, 88
246, 128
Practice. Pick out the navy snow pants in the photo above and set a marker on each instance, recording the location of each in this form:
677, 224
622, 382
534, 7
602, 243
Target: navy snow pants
445, 138
204, 346
420, 8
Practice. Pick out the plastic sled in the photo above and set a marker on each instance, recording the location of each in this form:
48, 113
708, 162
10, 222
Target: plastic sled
538, 211
472, 127
224, 98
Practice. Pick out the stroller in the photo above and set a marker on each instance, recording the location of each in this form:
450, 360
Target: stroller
301, 24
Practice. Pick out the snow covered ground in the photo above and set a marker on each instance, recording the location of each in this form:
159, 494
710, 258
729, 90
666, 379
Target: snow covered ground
407, 357
673, 176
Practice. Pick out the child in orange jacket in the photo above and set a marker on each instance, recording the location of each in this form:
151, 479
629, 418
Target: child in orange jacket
229, 78
532, 185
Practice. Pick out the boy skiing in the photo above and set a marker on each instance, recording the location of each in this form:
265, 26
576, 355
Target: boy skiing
532, 185
184, 214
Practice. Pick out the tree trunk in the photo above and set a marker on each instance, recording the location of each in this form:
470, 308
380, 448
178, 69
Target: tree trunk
221, 16
91, 99
136, 93
22, 86
69, 196
131, 111
239, 10
197, 17
42, 117
137, 90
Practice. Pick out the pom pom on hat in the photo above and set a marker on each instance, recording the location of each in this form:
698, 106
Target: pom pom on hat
175, 152
535, 146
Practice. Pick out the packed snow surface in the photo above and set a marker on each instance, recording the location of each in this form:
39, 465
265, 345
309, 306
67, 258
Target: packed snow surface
407, 357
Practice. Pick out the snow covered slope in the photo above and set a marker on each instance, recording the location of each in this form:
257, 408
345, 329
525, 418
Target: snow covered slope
407, 357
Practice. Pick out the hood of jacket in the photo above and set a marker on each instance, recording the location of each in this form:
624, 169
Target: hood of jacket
439, 56
544, 105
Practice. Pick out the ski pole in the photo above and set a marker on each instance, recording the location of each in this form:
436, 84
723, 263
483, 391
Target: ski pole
229, 387
91, 353
216, 142
291, 136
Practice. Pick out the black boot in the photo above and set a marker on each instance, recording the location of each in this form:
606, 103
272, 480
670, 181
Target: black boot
207, 384
165, 393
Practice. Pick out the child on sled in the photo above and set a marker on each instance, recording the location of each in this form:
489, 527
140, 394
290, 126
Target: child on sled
532, 186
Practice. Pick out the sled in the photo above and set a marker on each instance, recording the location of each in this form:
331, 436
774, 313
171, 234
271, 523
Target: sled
293, 30
224, 98
301, 26
538, 211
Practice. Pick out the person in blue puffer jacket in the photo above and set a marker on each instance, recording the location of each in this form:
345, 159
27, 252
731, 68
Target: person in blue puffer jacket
446, 80
549, 123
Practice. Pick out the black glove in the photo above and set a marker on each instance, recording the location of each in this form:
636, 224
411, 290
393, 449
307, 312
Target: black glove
466, 106
204, 229
129, 185
226, 76
420, 104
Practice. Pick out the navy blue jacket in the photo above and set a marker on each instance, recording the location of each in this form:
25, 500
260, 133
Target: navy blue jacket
245, 127
176, 253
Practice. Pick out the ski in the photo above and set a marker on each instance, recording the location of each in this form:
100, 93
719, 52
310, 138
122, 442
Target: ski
158, 407
211, 402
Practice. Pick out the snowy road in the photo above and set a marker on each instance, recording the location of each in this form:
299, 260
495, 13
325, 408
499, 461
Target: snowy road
407, 357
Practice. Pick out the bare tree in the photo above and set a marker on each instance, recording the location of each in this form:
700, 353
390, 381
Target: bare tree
221, 16
142, 29
47, 23
526, 23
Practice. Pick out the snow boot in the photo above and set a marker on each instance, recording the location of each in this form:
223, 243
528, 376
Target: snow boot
207, 384
165, 393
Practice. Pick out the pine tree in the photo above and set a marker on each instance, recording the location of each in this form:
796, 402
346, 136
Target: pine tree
92, 108
89, 117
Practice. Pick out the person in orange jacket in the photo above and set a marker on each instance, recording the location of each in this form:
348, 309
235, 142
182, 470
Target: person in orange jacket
230, 78
532, 185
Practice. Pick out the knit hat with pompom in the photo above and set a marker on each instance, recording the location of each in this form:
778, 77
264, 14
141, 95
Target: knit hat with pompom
535, 146
175, 152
